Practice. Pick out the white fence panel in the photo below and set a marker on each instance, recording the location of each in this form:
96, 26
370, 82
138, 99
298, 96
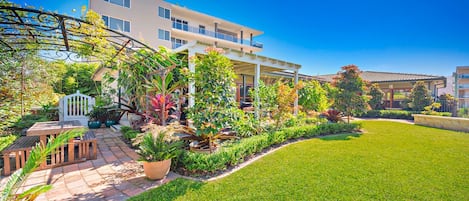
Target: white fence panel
75, 107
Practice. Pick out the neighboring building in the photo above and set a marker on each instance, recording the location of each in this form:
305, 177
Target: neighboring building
159, 23
397, 86
461, 86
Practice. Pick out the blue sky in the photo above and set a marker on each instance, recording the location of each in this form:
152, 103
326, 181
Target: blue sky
410, 36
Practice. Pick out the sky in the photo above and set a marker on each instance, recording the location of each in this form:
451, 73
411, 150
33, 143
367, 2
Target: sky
407, 36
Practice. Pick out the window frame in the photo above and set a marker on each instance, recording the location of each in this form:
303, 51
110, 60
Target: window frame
124, 5
164, 12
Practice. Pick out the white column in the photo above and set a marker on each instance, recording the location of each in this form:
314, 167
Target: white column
191, 54
257, 77
296, 100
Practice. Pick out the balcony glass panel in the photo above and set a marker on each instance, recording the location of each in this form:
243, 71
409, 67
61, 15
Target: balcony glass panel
463, 76
201, 30
464, 86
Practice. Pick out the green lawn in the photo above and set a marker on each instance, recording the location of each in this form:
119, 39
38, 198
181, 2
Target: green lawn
390, 161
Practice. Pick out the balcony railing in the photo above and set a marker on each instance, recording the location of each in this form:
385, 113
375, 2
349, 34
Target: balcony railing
464, 86
213, 34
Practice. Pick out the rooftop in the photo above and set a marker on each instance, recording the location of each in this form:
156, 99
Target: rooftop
373, 76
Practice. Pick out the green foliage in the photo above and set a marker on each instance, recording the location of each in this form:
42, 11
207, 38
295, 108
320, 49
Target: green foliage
394, 161
350, 99
247, 125
37, 156
286, 96
154, 75
232, 154
463, 112
390, 114
156, 145
420, 97
76, 76
128, 133
215, 106
267, 101
7, 140
313, 97
376, 100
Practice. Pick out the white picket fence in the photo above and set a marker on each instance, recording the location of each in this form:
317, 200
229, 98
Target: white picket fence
75, 107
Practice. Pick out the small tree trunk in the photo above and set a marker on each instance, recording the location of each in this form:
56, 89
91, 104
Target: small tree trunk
348, 118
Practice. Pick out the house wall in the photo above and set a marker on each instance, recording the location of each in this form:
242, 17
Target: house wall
143, 18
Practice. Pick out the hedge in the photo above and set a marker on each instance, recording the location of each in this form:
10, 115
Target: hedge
398, 114
235, 153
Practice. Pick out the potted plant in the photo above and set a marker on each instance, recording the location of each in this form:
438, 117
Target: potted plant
156, 149
112, 117
96, 117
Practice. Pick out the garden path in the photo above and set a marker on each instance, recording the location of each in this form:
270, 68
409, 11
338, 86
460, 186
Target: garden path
114, 175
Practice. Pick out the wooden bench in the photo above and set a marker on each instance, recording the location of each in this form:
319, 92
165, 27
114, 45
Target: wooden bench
86, 146
19, 150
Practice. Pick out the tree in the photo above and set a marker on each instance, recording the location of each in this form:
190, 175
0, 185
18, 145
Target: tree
286, 96
313, 97
350, 98
376, 100
420, 96
215, 106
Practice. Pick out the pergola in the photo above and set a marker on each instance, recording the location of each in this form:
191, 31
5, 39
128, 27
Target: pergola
56, 36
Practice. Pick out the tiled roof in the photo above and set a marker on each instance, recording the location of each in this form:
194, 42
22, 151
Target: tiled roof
373, 76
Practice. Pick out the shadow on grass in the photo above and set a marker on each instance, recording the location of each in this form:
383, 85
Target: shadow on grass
169, 191
345, 136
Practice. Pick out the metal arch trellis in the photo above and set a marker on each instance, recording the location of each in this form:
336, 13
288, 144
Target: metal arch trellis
56, 36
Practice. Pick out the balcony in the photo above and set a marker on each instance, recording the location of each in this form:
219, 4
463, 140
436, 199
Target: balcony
185, 27
464, 86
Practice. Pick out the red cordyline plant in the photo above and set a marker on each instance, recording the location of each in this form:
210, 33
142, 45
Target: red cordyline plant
332, 115
161, 106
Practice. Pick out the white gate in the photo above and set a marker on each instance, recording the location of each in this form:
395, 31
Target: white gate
75, 107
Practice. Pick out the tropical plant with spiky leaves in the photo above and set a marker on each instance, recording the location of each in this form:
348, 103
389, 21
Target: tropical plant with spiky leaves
37, 156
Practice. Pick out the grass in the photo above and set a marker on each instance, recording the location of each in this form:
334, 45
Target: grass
7, 140
390, 161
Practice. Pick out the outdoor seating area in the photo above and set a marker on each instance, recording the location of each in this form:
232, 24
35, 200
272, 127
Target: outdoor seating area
77, 150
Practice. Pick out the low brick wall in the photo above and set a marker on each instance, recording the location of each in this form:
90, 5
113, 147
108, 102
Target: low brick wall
450, 123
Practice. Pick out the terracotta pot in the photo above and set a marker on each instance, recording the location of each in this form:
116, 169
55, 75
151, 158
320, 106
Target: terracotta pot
156, 170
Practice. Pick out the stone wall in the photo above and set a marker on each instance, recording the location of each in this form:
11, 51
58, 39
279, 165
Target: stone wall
450, 123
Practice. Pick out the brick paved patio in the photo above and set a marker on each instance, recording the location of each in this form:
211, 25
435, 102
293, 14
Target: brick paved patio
114, 175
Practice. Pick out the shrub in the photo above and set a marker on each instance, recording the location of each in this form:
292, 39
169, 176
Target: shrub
128, 133
420, 96
332, 115
234, 153
390, 114
463, 112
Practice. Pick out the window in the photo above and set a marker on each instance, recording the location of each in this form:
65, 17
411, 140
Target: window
116, 24
164, 13
180, 24
123, 3
176, 42
201, 29
163, 34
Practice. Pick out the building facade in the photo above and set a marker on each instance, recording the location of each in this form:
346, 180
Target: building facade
461, 86
159, 23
